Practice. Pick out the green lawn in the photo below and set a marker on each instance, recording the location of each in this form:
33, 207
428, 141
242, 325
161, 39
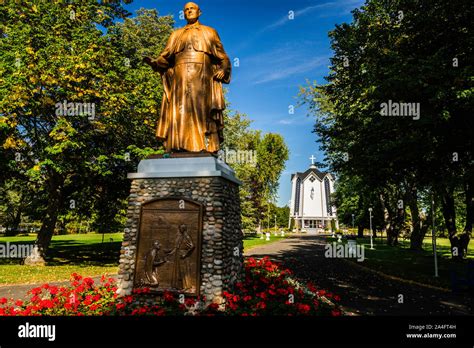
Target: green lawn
416, 266
251, 242
80, 253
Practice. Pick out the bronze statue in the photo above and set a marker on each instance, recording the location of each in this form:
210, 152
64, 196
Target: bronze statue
193, 67
182, 275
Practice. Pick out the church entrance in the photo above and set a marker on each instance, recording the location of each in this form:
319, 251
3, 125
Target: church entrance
313, 225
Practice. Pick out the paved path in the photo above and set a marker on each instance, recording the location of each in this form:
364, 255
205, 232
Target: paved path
362, 291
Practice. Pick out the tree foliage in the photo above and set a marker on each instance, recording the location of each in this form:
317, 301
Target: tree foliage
55, 56
402, 51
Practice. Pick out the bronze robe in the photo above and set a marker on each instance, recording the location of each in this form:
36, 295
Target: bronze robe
182, 273
192, 108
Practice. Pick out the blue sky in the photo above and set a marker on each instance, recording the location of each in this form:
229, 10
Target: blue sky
276, 55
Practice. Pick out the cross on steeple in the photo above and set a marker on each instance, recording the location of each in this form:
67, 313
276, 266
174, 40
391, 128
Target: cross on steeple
312, 158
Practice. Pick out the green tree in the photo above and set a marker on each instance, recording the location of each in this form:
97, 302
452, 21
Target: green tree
54, 53
259, 171
403, 51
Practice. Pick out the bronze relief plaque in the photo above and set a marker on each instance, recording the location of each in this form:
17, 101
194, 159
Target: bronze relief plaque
169, 246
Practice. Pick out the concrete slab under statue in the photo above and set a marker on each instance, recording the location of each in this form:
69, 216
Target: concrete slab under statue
184, 167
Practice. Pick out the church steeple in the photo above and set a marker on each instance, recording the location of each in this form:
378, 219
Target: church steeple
312, 158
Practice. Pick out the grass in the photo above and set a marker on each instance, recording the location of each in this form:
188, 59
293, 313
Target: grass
412, 265
251, 241
77, 253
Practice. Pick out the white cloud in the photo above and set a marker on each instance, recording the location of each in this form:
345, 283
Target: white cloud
278, 72
342, 7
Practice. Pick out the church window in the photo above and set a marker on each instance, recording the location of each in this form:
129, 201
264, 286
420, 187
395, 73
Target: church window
327, 189
297, 195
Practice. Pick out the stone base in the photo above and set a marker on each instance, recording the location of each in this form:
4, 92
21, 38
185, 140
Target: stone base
209, 182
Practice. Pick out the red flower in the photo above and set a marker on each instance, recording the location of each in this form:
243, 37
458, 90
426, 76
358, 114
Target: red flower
168, 296
47, 304
311, 287
76, 276
236, 298
213, 306
335, 313
160, 312
303, 308
36, 291
3, 300
19, 303
88, 281
189, 302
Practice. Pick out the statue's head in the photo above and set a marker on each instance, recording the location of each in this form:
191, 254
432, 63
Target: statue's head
191, 12
182, 228
156, 244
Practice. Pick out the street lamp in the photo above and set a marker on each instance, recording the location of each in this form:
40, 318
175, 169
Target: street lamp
275, 224
370, 230
352, 223
433, 236
289, 214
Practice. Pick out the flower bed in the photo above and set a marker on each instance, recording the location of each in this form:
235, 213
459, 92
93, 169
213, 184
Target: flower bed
266, 289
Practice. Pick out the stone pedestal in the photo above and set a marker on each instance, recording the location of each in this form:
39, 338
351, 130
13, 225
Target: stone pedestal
209, 186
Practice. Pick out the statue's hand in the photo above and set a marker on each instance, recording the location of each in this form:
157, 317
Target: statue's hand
147, 60
219, 74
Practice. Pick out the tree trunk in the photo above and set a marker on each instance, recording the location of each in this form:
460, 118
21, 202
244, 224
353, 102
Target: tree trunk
360, 231
55, 201
387, 220
469, 194
466, 235
417, 235
13, 229
449, 214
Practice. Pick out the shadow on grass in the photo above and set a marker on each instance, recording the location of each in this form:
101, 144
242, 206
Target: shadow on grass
70, 253
77, 253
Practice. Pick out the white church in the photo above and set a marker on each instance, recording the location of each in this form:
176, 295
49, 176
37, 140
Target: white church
310, 206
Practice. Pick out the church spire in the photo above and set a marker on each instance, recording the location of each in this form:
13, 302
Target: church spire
312, 158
